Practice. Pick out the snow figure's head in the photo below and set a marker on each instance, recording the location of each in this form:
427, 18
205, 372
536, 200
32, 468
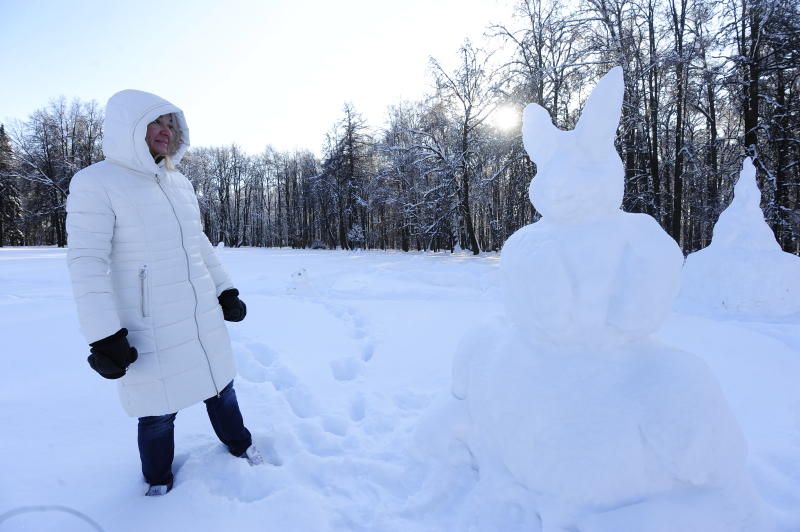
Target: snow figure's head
579, 173
742, 224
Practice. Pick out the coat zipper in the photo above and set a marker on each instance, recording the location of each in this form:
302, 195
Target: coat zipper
189, 277
145, 292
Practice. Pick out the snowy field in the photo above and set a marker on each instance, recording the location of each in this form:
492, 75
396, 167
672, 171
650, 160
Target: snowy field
345, 364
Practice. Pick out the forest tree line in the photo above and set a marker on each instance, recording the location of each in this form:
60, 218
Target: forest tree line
706, 84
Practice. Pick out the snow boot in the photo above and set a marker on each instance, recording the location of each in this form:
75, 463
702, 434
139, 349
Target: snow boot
253, 456
157, 490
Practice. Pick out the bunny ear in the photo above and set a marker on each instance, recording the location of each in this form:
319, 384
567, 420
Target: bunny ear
600, 117
539, 135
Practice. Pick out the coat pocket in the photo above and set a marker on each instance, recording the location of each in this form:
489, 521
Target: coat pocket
144, 291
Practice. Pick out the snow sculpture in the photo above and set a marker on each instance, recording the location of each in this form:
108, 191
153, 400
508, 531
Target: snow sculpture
608, 429
743, 271
300, 283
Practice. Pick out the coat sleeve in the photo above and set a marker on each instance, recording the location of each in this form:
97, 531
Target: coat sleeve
221, 279
90, 229
218, 274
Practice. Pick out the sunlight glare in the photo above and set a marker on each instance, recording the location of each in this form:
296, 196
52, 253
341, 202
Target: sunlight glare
506, 118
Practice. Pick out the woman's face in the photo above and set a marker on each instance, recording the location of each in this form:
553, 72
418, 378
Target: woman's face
160, 133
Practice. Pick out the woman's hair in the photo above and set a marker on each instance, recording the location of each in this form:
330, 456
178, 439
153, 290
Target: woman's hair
177, 137
168, 164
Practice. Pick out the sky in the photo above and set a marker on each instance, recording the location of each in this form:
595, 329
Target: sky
244, 71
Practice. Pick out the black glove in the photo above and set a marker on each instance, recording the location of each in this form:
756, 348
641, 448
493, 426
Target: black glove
112, 355
233, 308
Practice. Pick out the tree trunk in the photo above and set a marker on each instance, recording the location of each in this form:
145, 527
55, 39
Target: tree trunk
676, 225
466, 212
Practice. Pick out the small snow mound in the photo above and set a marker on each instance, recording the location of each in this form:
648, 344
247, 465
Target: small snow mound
300, 283
742, 224
743, 271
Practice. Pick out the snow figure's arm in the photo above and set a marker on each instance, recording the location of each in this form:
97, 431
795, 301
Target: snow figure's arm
90, 229
647, 278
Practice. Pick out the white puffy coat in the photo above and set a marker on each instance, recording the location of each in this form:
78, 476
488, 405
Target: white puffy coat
138, 258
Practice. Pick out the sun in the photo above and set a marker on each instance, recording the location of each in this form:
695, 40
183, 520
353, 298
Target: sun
505, 118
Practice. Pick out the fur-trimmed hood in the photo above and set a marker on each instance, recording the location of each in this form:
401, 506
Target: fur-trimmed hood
128, 113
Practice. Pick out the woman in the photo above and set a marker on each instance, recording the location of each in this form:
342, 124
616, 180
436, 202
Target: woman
150, 292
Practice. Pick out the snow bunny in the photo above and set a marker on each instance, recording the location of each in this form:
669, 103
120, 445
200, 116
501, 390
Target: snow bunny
607, 429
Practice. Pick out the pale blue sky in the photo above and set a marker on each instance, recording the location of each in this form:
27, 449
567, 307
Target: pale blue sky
249, 72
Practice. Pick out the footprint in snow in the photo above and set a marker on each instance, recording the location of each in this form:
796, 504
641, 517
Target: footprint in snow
409, 400
358, 331
249, 369
301, 402
358, 408
264, 354
267, 447
257, 362
336, 425
318, 441
345, 369
367, 351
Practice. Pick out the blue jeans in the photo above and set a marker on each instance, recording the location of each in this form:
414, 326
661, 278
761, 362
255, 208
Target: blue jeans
157, 435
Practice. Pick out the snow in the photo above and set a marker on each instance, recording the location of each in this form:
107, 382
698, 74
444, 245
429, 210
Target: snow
743, 271
569, 396
344, 379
